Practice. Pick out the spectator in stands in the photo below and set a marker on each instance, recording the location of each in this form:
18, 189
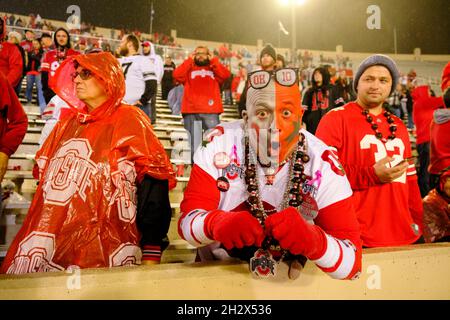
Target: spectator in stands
238, 83
14, 38
82, 48
280, 61
436, 211
409, 104
46, 42
27, 43
53, 58
175, 99
13, 124
115, 208
140, 75
34, 75
19, 23
343, 88
374, 149
394, 101
11, 64
423, 107
303, 207
437, 202
167, 82
148, 50
440, 134
268, 62
202, 75
226, 88
319, 99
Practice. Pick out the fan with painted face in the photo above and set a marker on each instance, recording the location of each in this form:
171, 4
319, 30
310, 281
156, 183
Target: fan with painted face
274, 114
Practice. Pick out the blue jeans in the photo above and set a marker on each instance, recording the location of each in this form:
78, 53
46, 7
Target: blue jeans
410, 121
196, 124
423, 176
397, 112
31, 80
146, 109
228, 97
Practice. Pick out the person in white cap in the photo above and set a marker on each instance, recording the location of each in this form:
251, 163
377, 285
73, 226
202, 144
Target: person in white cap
373, 146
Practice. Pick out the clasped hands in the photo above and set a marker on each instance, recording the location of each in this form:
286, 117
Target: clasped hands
239, 229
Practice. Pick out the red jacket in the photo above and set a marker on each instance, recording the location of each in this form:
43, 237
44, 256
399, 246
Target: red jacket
439, 145
10, 59
201, 86
13, 120
423, 108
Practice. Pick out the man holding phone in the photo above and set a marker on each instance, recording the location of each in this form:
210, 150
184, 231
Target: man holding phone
373, 146
202, 75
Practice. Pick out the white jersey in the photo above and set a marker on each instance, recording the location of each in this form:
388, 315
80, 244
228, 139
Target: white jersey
157, 62
51, 115
137, 69
324, 187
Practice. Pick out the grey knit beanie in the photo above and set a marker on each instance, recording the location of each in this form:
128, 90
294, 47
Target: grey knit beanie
378, 60
270, 50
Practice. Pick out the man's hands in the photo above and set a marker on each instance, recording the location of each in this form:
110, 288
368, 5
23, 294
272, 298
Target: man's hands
387, 175
234, 229
239, 229
3, 164
295, 234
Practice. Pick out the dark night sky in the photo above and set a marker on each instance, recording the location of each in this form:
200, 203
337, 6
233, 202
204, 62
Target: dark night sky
321, 24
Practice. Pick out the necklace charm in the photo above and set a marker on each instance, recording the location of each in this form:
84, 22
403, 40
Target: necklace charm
263, 264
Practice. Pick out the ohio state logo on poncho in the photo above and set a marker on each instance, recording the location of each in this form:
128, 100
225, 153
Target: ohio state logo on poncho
69, 171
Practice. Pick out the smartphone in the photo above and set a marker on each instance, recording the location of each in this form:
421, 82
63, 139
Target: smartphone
410, 160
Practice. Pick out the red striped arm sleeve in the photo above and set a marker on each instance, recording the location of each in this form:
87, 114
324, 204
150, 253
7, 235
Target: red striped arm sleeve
200, 198
342, 257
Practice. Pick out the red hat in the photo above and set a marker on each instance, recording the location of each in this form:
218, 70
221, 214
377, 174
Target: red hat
82, 41
146, 44
445, 77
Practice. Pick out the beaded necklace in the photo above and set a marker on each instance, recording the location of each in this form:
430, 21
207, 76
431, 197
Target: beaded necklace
374, 126
292, 197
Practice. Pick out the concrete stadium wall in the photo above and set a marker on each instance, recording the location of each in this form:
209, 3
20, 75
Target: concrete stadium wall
412, 272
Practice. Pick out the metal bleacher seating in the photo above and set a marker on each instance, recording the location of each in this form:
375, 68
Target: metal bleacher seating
168, 128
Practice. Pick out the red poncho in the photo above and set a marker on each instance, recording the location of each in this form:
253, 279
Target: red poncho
84, 210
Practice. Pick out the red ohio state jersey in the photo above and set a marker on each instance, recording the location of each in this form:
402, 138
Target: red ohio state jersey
389, 213
53, 58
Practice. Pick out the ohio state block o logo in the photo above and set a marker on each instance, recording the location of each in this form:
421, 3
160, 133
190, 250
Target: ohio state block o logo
35, 254
69, 171
125, 254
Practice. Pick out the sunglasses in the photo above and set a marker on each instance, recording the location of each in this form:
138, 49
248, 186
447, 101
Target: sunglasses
286, 77
84, 74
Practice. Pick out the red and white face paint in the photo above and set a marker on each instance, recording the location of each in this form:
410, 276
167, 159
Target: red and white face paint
273, 116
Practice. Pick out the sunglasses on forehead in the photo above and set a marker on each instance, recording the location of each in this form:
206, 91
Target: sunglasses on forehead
84, 74
286, 77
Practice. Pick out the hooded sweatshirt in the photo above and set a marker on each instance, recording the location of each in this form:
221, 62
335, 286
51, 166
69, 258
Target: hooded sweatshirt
440, 146
11, 64
13, 120
318, 100
201, 86
84, 211
423, 108
157, 62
